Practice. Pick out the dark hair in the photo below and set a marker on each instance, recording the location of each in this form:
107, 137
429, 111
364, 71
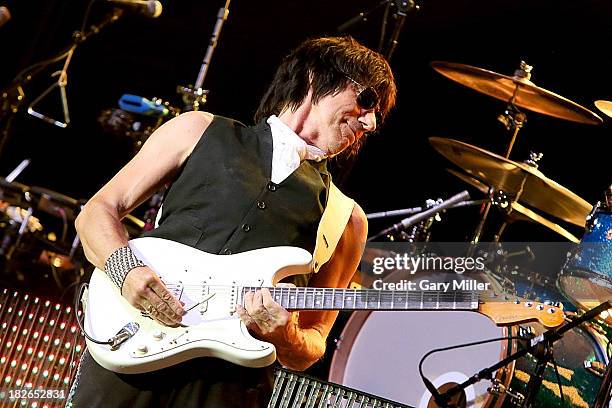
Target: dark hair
327, 62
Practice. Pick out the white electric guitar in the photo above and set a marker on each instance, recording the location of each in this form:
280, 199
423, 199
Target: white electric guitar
211, 285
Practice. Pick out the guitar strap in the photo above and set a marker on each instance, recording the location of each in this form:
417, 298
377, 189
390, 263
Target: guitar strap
333, 222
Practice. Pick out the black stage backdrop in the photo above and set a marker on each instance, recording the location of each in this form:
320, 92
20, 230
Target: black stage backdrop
567, 42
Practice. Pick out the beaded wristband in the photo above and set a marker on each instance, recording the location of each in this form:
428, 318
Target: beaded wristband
120, 263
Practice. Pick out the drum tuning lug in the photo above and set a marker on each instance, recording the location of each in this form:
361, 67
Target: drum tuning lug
496, 388
338, 342
517, 301
540, 307
528, 304
595, 367
533, 159
526, 331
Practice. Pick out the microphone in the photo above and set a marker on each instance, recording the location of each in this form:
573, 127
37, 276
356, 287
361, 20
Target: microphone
149, 8
406, 222
5, 15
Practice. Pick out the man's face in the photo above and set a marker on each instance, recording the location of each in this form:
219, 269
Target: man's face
340, 121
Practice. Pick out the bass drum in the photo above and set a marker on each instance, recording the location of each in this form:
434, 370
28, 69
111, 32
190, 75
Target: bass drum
581, 358
379, 353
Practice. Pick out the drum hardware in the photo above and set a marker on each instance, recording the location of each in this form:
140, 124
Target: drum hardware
604, 396
399, 9
605, 107
14, 96
516, 211
596, 367
78, 37
586, 277
424, 215
517, 91
541, 348
499, 389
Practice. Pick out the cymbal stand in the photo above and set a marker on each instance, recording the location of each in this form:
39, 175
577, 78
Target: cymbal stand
78, 37
194, 95
514, 120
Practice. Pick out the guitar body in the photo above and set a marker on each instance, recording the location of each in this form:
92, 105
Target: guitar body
209, 285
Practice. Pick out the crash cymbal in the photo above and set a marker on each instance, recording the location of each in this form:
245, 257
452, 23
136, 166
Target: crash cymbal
522, 213
520, 91
522, 182
605, 107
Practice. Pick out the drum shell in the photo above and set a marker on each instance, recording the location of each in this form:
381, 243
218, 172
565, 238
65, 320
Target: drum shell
378, 352
586, 278
580, 386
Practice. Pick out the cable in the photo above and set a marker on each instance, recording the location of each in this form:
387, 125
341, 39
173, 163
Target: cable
428, 384
76, 309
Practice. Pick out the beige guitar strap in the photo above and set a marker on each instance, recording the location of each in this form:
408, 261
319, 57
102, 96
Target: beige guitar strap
333, 222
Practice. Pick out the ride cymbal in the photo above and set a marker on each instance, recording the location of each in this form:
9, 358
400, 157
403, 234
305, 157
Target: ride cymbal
517, 90
522, 213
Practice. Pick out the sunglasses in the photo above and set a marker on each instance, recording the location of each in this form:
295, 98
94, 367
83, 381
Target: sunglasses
367, 98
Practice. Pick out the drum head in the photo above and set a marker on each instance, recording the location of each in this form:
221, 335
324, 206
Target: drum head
379, 353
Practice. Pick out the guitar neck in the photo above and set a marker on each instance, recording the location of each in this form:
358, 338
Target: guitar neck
305, 298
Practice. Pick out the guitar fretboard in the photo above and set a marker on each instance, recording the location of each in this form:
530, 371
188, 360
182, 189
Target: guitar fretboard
370, 299
298, 390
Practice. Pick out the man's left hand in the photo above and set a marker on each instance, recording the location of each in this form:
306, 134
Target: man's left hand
265, 318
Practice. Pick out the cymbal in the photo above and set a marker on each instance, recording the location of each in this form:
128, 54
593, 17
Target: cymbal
522, 182
55, 203
528, 95
605, 107
525, 214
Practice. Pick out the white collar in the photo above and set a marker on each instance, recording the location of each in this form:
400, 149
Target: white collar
289, 137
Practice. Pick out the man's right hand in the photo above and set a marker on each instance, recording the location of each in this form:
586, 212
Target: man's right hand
144, 290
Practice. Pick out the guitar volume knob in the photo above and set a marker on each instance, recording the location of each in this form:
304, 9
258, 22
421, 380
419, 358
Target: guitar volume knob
158, 335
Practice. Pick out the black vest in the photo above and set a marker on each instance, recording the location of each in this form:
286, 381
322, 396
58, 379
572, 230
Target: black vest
223, 201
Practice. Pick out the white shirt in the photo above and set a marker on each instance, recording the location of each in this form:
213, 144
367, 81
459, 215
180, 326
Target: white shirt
289, 150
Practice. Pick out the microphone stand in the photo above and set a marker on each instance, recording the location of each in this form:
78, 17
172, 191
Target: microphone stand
414, 210
541, 348
402, 7
194, 96
406, 222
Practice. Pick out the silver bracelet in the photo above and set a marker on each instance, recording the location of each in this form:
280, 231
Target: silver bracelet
120, 263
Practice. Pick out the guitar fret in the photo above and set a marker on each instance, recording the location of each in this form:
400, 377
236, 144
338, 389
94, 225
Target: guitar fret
305, 298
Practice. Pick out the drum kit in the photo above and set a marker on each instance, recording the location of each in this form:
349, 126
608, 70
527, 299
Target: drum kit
521, 192
39, 246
